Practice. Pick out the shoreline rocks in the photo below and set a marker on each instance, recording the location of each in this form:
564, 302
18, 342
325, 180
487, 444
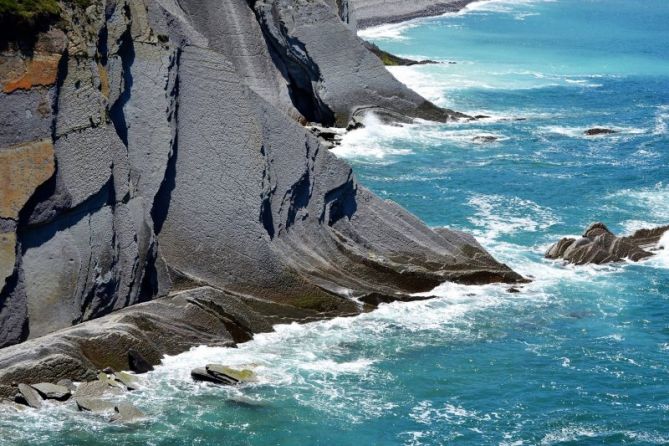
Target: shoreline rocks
598, 131
220, 374
599, 245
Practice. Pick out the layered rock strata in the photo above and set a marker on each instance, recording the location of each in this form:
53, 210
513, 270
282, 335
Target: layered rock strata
599, 245
150, 146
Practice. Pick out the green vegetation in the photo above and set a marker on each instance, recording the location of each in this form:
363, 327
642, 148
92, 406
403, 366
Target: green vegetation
28, 11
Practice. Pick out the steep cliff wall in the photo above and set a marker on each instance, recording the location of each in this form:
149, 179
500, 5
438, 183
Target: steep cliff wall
148, 146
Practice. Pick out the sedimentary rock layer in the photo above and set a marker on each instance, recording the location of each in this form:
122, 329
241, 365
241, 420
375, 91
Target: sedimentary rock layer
167, 151
599, 245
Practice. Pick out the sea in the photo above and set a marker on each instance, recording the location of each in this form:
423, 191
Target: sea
579, 357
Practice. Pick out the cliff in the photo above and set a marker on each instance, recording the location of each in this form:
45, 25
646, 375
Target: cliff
149, 147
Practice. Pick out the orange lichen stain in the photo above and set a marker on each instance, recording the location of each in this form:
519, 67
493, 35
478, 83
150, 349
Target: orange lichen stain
104, 81
22, 169
41, 70
7, 255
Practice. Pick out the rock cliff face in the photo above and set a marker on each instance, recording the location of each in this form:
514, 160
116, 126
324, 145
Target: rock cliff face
148, 146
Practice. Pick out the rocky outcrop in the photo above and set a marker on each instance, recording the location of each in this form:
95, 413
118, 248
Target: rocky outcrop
167, 154
392, 60
598, 131
599, 245
378, 12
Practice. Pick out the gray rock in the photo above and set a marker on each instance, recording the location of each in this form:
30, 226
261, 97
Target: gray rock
130, 382
31, 396
67, 383
95, 389
52, 391
201, 374
599, 245
95, 405
127, 413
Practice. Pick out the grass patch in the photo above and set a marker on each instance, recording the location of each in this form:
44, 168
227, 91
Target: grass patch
28, 11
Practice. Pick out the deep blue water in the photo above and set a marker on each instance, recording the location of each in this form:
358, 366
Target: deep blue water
580, 357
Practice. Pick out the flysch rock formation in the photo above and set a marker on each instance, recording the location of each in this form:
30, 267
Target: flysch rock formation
149, 147
599, 245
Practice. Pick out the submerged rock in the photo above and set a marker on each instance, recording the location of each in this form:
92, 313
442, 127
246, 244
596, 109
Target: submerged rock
485, 138
599, 245
599, 131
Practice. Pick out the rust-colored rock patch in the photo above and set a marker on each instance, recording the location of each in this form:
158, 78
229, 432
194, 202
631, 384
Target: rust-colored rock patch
7, 255
41, 70
22, 168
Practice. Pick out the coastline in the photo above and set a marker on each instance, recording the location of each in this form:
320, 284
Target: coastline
414, 11
227, 313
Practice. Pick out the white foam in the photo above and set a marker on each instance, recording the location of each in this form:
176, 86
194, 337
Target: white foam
496, 215
661, 120
661, 258
579, 131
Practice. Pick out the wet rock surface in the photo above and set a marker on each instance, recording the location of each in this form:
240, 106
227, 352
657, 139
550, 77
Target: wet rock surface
597, 131
162, 191
599, 245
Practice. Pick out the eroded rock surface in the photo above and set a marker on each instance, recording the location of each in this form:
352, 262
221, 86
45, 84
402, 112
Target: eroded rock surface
599, 245
161, 148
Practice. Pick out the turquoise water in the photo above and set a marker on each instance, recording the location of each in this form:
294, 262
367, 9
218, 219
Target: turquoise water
580, 357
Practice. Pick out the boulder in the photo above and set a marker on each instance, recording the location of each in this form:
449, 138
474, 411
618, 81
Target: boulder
129, 381
238, 375
201, 374
127, 413
52, 391
94, 405
599, 245
95, 389
220, 374
67, 383
31, 396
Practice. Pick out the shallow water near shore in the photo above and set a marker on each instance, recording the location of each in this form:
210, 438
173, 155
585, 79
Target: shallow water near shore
580, 356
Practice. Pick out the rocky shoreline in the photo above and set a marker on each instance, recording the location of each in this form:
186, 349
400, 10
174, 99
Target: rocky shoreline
165, 193
369, 13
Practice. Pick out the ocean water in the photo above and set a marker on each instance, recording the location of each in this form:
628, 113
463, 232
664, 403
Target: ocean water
579, 357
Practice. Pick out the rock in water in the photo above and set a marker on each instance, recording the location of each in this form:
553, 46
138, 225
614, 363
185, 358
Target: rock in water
31, 396
127, 413
238, 375
138, 363
201, 374
52, 391
599, 245
220, 374
96, 389
94, 405
129, 381
599, 131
